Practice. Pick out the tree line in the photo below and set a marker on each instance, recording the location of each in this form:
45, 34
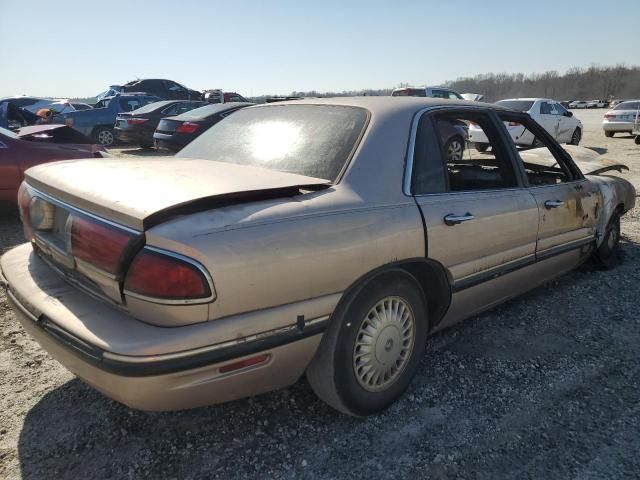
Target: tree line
602, 82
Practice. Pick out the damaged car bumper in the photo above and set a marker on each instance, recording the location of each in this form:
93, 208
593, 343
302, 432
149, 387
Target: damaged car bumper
144, 366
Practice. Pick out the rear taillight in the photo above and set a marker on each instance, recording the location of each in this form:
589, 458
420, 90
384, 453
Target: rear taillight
99, 244
136, 121
610, 116
187, 127
167, 277
24, 206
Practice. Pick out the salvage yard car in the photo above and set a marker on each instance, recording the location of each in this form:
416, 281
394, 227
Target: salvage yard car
326, 236
173, 133
620, 119
556, 120
35, 145
98, 122
137, 127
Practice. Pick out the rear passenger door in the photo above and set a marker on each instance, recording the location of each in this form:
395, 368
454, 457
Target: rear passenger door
480, 220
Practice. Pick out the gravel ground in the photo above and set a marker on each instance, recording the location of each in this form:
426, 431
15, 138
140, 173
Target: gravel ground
545, 386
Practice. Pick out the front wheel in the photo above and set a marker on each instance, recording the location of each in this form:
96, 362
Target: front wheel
608, 134
482, 147
607, 255
576, 137
637, 140
373, 346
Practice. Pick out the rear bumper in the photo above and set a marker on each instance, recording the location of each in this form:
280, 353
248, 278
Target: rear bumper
617, 126
49, 309
133, 136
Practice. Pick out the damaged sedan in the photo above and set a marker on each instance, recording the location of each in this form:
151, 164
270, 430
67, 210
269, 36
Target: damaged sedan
326, 237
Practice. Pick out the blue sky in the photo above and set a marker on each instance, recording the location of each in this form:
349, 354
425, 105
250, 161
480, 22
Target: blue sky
76, 48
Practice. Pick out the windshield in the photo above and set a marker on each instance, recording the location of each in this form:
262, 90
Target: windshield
8, 133
628, 106
518, 105
311, 140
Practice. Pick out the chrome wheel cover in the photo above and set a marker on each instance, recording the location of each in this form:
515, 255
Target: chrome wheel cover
454, 152
105, 137
384, 344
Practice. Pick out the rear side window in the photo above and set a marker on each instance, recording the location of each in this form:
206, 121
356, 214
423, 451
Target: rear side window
461, 151
311, 140
545, 108
627, 106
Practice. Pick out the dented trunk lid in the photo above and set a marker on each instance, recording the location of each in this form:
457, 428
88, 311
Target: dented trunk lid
140, 193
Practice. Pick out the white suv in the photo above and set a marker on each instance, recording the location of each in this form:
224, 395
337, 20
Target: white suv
555, 119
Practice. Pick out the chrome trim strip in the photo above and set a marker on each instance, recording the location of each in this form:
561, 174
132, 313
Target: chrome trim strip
559, 249
212, 348
37, 193
189, 301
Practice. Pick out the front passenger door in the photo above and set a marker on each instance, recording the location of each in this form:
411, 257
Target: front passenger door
568, 204
549, 119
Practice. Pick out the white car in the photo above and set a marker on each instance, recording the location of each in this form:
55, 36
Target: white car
596, 104
620, 119
578, 104
557, 120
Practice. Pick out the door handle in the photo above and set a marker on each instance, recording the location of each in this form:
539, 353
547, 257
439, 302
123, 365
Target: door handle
578, 187
453, 219
553, 204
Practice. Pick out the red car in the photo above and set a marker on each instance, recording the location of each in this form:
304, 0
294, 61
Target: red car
37, 144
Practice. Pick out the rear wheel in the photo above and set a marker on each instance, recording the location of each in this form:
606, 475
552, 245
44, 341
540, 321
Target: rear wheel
607, 255
373, 346
482, 147
576, 137
608, 134
637, 140
104, 136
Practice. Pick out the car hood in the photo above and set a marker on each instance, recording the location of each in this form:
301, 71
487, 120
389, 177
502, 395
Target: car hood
142, 193
588, 161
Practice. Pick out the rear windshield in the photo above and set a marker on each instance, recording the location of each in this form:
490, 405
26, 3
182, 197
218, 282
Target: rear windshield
518, 105
627, 106
150, 107
311, 140
409, 92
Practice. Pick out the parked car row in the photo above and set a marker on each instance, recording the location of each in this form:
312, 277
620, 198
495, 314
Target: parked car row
587, 104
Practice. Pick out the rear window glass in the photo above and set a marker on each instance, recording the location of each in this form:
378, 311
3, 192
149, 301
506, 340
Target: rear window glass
518, 105
311, 140
409, 92
627, 106
153, 106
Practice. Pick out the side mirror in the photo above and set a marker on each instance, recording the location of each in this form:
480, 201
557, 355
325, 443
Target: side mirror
568, 114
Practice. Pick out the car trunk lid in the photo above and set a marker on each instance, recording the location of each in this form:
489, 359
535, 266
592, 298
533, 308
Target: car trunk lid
140, 193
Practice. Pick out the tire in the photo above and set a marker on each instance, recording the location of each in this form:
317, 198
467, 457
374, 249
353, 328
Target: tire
454, 149
608, 134
337, 372
576, 137
637, 140
146, 146
482, 147
607, 255
104, 136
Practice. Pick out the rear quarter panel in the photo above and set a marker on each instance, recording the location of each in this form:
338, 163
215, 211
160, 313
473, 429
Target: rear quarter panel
273, 253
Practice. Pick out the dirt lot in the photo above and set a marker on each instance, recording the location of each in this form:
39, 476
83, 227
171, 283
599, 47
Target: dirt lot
546, 386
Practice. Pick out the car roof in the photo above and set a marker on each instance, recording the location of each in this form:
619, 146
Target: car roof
529, 99
379, 105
